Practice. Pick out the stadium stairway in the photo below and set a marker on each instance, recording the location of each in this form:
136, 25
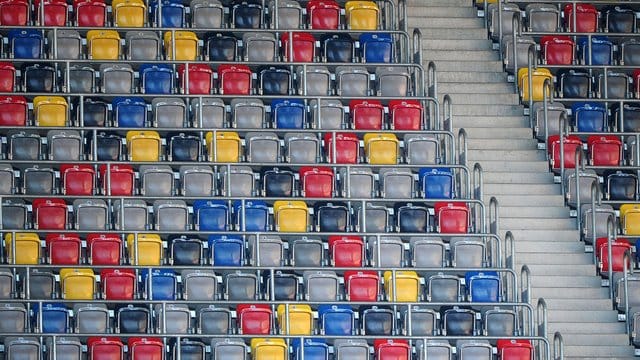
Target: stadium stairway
517, 174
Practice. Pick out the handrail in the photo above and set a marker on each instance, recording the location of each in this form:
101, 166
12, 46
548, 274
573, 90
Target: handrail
558, 346
541, 320
579, 169
417, 59
515, 32
525, 284
462, 147
447, 119
509, 250
626, 271
478, 184
432, 81
532, 65
548, 98
564, 130
595, 195
611, 237
494, 217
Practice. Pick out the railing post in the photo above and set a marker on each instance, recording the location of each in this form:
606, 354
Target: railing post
558, 346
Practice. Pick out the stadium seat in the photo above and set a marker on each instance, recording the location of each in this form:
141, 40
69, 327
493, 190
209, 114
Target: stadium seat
147, 251
49, 214
301, 148
306, 252
316, 182
7, 77
499, 322
63, 249
285, 286
362, 15
38, 181
104, 249
323, 15
314, 80
160, 285
420, 321
604, 150
337, 48
171, 215
436, 183
213, 320
257, 47
64, 145
7, 180
291, 216
90, 13
515, 349
336, 320
295, 319
576, 84
415, 219
468, 252
460, 322
428, 252
358, 183
347, 148
616, 87
262, 147
542, 17
618, 248
108, 147
91, 318
277, 183
133, 320
226, 250
156, 79
301, 44
50, 317
91, 214
586, 18
443, 288
601, 50
251, 215
266, 250
118, 180
620, 185
352, 81
381, 148
346, 250
103, 45
321, 285
571, 143
558, 50
52, 13
184, 250
195, 79
311, 349
39, 78
327, 114
332, 217
211, 215
246, 14
234, 79
65, 347
13, 111
405, 115
77, 284
388, 251
352, 349
254, 319
172, 14
142, 45
387, 349
539, 75
183, 147
241, 286
268, 349
118, 284
105, 348
50, 111
26, 44
145, 348
452, 217
208, 113
289, 15
288, 114
184, 48
619, 19
483, 286
156, 180
143, 146
377, 48
199, 284
361, 285
237, 181
129, 13
80, 79
207, 14
129, 112
377, 321
402, 286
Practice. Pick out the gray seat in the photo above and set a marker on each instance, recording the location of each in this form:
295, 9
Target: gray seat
14, 318
68, 44
500, 322
329, 115
474, 350
602, 213
38, 181
130, 214
586, 178
142, 45
523, 43
116, 78
22, 348
42, 285
80, 79
176, 319
156, 180
358, 183
317, 79
14, 214
201, 284
262, 147
24, 145
66, 348
240, 286
171, 215
434, 350
301, 148
247, 113
424, 321
213, 113
270, 248
64, 145
91, 214
374, 218
351, 349
7, 180
7, 284
169, 112
428, 252
617, 86
207, 14
467, 252
508, 10
396, 183
443, 288
421, 149
237, 181
543, 17
197, 180
555, 111
321, 285
391, 251
352, 81
289, 14
213, 320
306, 252
228, 349
91, 318
260, 47
393, 81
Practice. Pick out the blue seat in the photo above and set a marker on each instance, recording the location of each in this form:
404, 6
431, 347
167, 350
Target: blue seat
256, 216
336, 319
275, 81
163, 284
226, 251
156, 79
26, 43
288, 114
412, 219
483, 286
337, 48
376, 47
311, 349
601, 50
173, 13
589, 116
246, 14
55, 317
211, 215
129, 112
436, 183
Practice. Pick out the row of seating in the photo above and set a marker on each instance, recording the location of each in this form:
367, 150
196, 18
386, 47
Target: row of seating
140, 348
243, 113
270, 250
239, 14
370, 47
250, 215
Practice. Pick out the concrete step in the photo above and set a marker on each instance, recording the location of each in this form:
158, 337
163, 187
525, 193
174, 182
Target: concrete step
486, 109
597, 352
482, 98
465, 77
507, 155
524, 212
463, 64
578, 270
527, 200
570, 311
476, 87
524, 224
550, 246
501, 134
536, 235
418, 15
450, 44
513, 177
490, 122
596, 339
549, 293
501, 144
515, 189
470, 55
545, 259
587, 327
445, 22
566, 281
519, 166
454, 33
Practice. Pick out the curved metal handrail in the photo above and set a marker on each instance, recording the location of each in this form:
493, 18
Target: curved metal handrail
558, 346
548, 98
494, 216
626, 271
462, 147
509, 250
564, 131
541, 320
525, 284
580, 163
516, 31
612, 236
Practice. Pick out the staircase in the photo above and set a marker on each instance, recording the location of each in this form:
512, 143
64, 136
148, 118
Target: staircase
517, 174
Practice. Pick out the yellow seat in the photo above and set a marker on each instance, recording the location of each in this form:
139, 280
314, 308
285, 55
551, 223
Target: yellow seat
128, 13
149, 249
143, 145
362, 15
103, 44
186, 45
538, 77
50, 111
630, 219
268, 349
381, 148
407, 284
300, 319
227, 146
291, 216
27, 248
77, 284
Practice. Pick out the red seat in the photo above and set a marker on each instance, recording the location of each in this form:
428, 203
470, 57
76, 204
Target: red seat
514, 349
405, 114
452, 217
571, 144
604, 150
13, 111
347, 148
105, 348
141, 348
362, 285
558, 49
367, 114
104, 249
254, 319
323, 14
49, 214
304, 47
586, 19
14, 12
388, 349
234, 79
77, 179
90, 13
200, 79
118, 284
64, 249
55, 12
121, 179
316, 182
618, 248
346, 250
7, 77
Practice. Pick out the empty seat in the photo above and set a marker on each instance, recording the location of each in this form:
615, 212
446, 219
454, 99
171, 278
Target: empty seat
247, 113
145, 348
301, 148
105, 348
241, 286
173, 318
381, 148
362, 15
214, 320
50, 318
332, 217
260, 47
50, 214
396, 183
16, 318
246, 14
129, 13
171, 215
77, 284
460, 322
207, 14
295, 319
288, 114
327, 114
483, 286
443, 288
277, 182
208, 113
422, 149
337, 48
262, 147
91, 214
321, 285
285, 286
301, 46
41, 285
22, 348
224, 47
515, 349
558, 50
133, 320
129, 112
64, 145
387, 349
538, 77
68, 42
377, 321
186, 251
543, 17
352, 349
26, 43
118, 284
613, 85
289, 14
195, 79
91, 318
336, 320
185, 47
372, 218
13, 111
145, 249
7, 180
314, 80
352, 81
234, 79
199, 284
452, 217
323, 15
231, 349
14, 214
156, 180
104, 249
211, 215
500, 322
406, 115
226, 250
66, 348
306, 252
358, 183
251, 215
311, 349
586, 17
316, 182
291, 216
142, 45
420, 321
474, 349
268, 348
80, 79
362, 285
589, 116
402, 286
197, 181
393, 81
385, 251
599, 52
63, 249
575, 84
571, 143
237, 181
117, 180
40, 78
428, 252
50, 111
183, 147
347, 148
254, 319
377, 48
107, 147
170, 14
103, 45
156, 79
143, 146
38, 181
